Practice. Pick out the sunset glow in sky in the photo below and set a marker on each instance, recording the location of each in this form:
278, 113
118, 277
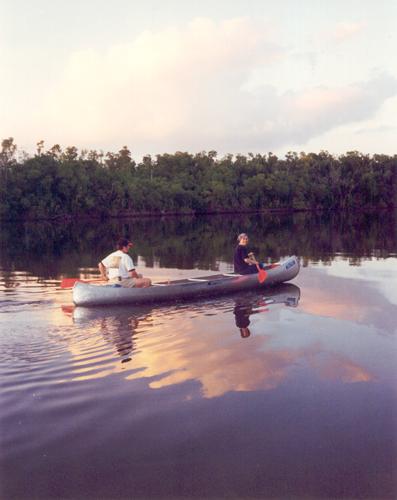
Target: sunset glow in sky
227, 75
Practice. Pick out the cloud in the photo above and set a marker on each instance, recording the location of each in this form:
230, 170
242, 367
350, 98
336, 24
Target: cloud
380, 129
185, 89
344, 31
320, 109
150, 89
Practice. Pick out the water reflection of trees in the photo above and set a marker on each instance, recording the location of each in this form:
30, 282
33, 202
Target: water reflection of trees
48, 249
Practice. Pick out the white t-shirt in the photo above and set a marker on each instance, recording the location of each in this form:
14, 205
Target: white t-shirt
118, 264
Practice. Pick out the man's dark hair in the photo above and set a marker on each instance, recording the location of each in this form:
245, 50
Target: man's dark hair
122, 242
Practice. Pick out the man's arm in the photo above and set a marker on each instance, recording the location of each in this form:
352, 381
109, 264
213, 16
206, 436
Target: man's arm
102, 270
133, 273
130, 266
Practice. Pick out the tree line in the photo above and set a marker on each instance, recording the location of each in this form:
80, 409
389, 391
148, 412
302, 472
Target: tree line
59, 183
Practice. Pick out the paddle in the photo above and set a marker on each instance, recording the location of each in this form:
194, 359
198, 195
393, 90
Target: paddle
69, 282
262, 274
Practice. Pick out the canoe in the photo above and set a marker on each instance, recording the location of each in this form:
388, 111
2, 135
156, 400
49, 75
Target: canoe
284, 293
86, 294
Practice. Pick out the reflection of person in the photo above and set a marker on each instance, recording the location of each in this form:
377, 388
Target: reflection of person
118, 325
118, 266
242, 313
244, 306
244, 261
121, 335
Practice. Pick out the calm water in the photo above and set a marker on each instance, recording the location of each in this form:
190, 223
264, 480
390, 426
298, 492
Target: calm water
281, 393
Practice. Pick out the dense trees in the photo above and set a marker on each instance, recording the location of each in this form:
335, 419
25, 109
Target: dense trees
62, 183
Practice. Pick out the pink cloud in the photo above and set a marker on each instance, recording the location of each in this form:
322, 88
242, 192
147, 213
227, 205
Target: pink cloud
346, 30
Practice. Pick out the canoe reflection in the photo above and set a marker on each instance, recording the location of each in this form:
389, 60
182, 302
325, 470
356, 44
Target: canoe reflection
246, 305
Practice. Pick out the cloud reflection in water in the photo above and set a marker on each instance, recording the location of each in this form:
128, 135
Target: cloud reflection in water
208, 342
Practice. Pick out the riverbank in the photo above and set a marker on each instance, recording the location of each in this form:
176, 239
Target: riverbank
193, 213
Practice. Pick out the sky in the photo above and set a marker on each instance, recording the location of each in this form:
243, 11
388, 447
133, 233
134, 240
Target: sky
183, 75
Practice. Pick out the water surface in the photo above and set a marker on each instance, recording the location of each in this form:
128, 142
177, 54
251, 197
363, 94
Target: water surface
283, 392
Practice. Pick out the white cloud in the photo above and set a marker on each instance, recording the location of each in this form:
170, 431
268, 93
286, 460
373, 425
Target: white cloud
185, 88
151, 88
380, 129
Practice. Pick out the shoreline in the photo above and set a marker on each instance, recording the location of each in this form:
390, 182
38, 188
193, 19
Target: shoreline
195, 213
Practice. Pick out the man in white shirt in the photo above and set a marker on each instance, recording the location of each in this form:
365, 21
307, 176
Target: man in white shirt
119, 267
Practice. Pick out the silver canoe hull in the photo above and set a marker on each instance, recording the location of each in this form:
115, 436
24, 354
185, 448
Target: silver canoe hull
85, 294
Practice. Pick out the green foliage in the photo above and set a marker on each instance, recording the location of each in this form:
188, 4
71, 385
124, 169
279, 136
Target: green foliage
65, 183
